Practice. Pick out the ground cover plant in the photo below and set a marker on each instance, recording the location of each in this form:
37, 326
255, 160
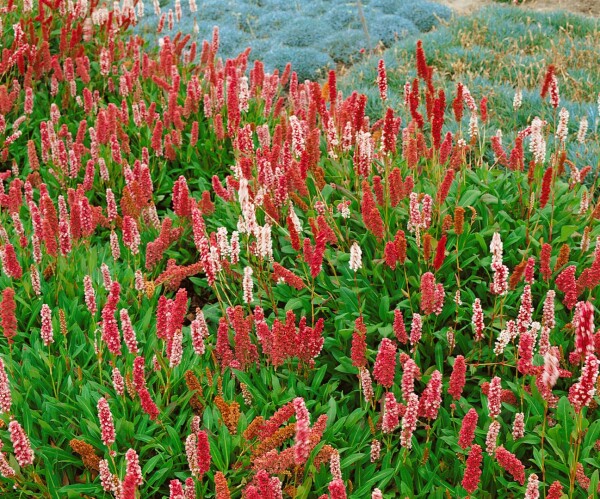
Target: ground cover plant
314, 35
221, 282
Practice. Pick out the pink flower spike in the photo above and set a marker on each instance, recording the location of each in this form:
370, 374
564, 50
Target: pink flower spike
385, 363
46, 330
533, 487
5, 396
467, 429
457, 378
519, 426
511, 464
390, 418
5, 469
495, 397
473, 470
133, 467
337, 489
202, 453
409, 421
302, 445
107, 426
21, 445
128, 331
478, 319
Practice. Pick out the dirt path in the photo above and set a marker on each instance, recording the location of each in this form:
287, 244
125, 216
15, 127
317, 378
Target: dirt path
586, 7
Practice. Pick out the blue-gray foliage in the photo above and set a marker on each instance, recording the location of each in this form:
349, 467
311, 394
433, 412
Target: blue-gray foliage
425, 15
346, 48
388, 29
308, 62
304, 32
311, 34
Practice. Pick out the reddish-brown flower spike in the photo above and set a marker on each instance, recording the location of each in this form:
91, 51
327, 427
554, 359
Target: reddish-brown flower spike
440, 253
423, 70
370, 213
221, 488
467, 429
223, 349
8, 319
445, 186
437, 121
457, 104
473, 470
499, 150
156, 142
399, 327
10, 263
457, 378
525, 350
547, 80
390, 254
483, 109
545, 261
546, 184
148, 405
396, 186
400, 242
280, 417
566, 283
391, 127
385, 363
282, 274
316, 261
332, 87
203, 453
359, 344
511, 464
555, 491
382, 80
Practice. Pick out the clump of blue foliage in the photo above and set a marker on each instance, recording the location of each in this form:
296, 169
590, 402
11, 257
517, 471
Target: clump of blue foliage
311, 34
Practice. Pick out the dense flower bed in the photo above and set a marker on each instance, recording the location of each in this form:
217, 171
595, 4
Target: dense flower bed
223, 282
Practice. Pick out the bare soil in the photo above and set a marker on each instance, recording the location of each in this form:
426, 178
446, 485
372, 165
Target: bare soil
586, 7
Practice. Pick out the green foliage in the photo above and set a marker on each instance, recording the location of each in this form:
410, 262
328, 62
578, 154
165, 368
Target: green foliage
232, 376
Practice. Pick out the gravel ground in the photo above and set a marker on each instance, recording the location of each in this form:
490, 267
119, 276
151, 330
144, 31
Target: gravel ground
586, 7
